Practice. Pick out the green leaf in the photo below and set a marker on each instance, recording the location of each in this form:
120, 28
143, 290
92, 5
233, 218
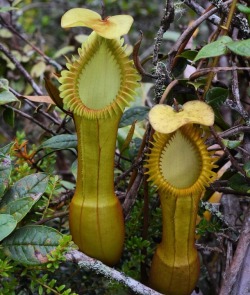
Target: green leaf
7, 9
231, 144
133, 114
29, 186
240, 47
5, 170
243, 8
171, 36
7, 225
38, 69
74, 168
9, 117
239, 183
189, 54
246, 167
219, 120
60, 142
198, 83
4, 84
31, 244
21, 207
215, 48
63, 51
7, 97
180, 67
216, 96
6, 149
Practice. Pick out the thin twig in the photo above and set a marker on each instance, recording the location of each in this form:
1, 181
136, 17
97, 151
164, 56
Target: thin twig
225, 149
238, 21
30, 118
56, 215
205, 248
132, 194
189, 31
136, 59
231, 276
167, 90
134, 166
236, 94
200, 10
46, 58
205, 71
22, 70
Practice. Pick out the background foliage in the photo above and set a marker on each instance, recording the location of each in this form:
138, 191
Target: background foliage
38, 143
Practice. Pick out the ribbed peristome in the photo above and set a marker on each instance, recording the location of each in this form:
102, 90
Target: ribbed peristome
179, 163
101, 81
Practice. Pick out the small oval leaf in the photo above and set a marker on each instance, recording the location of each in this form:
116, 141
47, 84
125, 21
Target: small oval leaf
216, 96
133, 114
21, 207
231, 144
28, 186
7, 225
246, 167
5, 170
239, 183
6, 149
7, 97
60, 142
31, 244
240, 47
215, 48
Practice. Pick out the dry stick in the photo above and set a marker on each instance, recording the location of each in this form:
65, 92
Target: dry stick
183, 45
46, 58
56, 215
167, 90
226, 190
29, 118
97, 266
167, 19
240, 253
139, 156
235, 130
238, 21
189, 31
144, 251
200, 10
201, 247
22, 70
136, 59
51, 118
132, 194
62, 125
216, 59
236, 94
134, 166
205, 71
225, 149
230, 132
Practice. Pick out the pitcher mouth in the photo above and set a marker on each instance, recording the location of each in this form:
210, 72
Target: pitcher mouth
101, 81
179, 162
